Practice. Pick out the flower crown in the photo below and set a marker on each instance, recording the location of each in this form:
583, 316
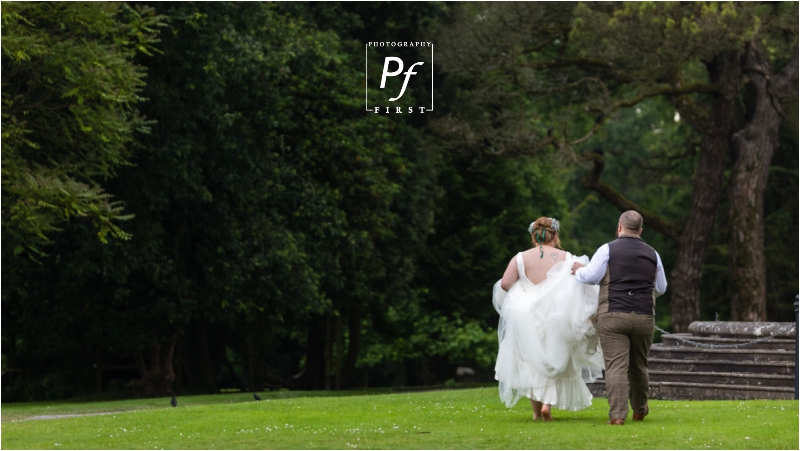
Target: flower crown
555, 225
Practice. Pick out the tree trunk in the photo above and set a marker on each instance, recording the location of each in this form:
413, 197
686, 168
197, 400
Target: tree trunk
167, 376
98, 365
339, 352
158, 377
354, 332
200, 370
328, 352
697, 232
314, 373
695, 237
251, 357
754, 146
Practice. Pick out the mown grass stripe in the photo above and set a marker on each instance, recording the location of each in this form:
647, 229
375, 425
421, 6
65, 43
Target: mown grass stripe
449, 419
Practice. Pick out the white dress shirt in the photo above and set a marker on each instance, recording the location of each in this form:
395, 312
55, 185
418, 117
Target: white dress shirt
596, 269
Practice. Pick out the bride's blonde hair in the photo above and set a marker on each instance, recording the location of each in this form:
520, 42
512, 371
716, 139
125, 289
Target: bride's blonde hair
542, 232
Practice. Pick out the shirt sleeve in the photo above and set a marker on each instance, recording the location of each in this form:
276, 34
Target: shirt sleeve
596, 269
661, 277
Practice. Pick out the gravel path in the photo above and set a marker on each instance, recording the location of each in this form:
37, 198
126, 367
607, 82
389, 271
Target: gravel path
56, 417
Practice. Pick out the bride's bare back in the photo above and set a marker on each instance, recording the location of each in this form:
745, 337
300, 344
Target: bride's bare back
536, 265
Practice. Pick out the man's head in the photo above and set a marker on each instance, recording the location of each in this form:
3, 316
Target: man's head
630, 223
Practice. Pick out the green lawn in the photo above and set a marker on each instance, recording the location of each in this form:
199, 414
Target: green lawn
448, 419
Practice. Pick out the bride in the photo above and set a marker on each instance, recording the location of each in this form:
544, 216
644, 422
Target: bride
548, 344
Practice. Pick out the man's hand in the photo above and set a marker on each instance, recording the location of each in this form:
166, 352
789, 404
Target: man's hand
575, 267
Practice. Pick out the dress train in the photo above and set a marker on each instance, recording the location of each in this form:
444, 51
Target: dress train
549, 348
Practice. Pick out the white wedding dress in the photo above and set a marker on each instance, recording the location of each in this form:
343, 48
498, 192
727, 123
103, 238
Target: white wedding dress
548, 344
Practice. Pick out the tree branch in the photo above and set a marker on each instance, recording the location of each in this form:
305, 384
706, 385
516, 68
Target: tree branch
680, 91
574, 84
567, 62
784, 81
561, 31
592, 182
787, 78
667, 91
598, 123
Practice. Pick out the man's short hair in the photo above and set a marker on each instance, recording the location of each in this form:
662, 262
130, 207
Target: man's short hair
631, 220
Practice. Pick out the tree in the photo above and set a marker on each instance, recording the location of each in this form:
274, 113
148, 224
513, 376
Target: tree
744, 28
274, 220
754, 145
69, 93
242, 199
568, 68
274, 196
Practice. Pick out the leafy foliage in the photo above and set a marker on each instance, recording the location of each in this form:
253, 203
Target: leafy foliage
277, 235
558, 78
69, 93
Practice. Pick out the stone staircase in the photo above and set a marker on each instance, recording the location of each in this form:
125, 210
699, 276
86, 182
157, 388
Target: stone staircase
683, 371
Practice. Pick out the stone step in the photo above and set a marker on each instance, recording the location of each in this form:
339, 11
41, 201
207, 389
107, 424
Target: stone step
737, 355
775, 343
720, 366
749, 379
742, 329
692, 391
698, 391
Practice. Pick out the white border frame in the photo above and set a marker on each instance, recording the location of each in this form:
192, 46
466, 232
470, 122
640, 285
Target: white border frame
366, 79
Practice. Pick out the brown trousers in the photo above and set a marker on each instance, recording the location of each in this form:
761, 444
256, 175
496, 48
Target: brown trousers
626, 339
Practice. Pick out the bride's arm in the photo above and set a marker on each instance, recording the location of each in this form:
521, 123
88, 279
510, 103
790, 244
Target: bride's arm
510, 276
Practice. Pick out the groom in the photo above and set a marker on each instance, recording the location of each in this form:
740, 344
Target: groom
630, 275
